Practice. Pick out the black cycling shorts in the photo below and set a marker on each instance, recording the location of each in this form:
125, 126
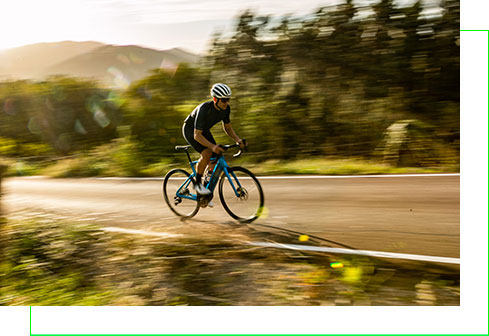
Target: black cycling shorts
188, 134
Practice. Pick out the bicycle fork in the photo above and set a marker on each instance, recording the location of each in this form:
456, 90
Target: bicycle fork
239, 191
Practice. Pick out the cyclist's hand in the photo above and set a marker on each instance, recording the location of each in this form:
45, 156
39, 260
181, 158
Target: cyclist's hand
217, 149
242, 143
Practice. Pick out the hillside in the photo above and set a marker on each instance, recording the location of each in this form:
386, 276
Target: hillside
109, 64
28, 61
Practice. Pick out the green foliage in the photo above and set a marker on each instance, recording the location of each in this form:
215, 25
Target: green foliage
335, 166
117, 158
21, 167
51, 264
320, 81
154, 109
329, 83
160, 168
67, 114
8, 146
411, 143
14, 148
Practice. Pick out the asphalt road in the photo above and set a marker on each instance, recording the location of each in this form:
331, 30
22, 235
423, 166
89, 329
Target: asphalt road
416, 215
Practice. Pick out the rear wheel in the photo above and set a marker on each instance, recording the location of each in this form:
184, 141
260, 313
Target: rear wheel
246, 204
181, 206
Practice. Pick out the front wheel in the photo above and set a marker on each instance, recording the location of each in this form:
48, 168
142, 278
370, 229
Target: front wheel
241, 195
176, 189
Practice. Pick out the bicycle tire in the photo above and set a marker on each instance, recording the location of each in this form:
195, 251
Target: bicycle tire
254, 208
191, 207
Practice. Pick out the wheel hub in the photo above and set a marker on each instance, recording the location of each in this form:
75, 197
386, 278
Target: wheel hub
243, 194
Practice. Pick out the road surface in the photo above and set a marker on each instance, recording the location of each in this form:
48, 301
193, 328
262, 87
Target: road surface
416, 215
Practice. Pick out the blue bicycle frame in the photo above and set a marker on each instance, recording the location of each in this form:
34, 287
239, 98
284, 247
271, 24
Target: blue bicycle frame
221, 166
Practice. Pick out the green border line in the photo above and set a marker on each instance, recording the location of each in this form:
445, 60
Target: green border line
30, 307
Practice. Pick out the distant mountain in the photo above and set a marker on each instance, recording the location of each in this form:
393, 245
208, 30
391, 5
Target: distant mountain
27, 61
109, 64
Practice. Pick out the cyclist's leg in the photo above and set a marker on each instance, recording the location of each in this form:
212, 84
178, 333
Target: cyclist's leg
211, 164
205, 153
205, 158
188, 134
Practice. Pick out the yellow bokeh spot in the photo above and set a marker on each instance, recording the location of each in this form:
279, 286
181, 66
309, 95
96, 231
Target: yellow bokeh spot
352, 274
303, 238
264, 212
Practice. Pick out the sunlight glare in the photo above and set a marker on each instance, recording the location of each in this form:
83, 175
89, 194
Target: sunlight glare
31, 21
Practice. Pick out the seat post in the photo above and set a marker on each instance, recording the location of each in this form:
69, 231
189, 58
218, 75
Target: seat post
188, 155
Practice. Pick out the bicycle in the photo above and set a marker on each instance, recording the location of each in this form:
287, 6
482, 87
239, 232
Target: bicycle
242, 196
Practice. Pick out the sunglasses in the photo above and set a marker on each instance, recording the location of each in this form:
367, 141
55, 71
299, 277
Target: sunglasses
225, 100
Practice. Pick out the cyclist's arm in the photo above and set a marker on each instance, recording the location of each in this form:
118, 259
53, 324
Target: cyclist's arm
201, 139
232, 134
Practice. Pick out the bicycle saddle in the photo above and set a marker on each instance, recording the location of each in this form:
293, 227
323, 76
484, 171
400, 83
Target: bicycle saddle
182, 147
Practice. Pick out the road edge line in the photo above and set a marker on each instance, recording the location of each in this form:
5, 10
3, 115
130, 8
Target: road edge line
377, 254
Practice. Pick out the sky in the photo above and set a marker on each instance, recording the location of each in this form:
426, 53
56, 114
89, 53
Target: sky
158, 24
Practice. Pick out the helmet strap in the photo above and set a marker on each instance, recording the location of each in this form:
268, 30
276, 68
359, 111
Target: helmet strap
216, 101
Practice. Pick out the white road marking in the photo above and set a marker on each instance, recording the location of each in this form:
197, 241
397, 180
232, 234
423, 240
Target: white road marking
360, 252
377, 254
351, 176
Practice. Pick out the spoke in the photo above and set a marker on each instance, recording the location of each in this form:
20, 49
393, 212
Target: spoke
243, 207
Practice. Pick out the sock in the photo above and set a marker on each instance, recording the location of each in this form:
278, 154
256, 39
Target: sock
198, 178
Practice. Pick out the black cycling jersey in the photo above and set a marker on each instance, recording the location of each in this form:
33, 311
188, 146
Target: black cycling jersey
204, 116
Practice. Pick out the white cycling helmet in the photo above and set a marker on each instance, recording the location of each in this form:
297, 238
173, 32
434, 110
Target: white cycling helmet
220, 90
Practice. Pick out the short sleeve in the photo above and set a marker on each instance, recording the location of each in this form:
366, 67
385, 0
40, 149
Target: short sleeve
226, 118
200, 118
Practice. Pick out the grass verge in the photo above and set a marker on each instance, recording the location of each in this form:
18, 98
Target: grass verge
320, 166
47, 262
84, 166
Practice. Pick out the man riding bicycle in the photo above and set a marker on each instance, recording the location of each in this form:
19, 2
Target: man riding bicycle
196, 130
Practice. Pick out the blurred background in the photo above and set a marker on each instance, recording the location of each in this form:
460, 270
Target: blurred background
376, 82
101, 88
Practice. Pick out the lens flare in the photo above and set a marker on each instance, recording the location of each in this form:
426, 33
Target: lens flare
101, 118
115, 99
124, 59
9, 106
120, 80
79, 127
33, 126
336, 265
169, 66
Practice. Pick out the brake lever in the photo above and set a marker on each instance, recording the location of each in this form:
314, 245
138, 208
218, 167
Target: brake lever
241, 149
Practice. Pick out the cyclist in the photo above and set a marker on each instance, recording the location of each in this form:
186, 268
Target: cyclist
196, 130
